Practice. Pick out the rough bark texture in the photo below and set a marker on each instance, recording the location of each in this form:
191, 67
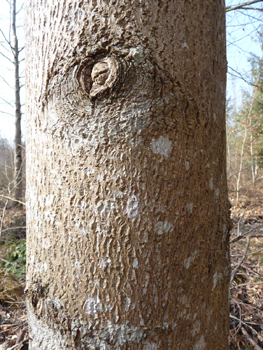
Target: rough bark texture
18, 114
127, 198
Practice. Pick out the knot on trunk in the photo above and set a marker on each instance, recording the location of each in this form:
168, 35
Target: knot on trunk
104, 75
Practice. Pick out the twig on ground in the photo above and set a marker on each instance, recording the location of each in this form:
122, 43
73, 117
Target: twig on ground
8, 290
245, 284
238, 238
16, 345
9, 262
20, 338
250, 269
251, 340
240, 262
239, 309
244, 323
14, 228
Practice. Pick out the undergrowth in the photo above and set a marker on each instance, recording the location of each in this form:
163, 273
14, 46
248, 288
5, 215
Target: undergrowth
15, 262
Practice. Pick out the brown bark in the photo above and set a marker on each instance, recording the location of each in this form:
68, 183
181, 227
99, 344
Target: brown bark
127, 198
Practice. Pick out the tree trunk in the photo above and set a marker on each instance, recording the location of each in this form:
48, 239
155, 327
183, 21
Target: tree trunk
18, 114
127, 198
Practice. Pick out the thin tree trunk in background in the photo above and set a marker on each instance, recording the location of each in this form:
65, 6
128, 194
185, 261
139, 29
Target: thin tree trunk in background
252, 160
229, 167
126, 175
252, 155
241, 164
18, 114
243, 147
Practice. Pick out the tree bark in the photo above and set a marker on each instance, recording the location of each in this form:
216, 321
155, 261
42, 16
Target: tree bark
18, 114
126, 181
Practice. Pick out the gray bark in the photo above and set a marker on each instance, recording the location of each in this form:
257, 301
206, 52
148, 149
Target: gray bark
126, 182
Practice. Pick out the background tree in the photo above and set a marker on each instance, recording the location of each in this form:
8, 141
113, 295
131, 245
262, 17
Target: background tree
6, 163
246, 130
128, 217
244, 25
11, 51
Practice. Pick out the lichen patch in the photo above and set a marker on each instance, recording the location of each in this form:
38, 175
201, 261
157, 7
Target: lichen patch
132, 207
163, 227
92, 306
162, 146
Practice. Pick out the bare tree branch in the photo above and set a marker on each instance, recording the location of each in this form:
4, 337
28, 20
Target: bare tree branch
6, 82
14, 228
234, 240
252, 8
6, 57
5, 101
233, 274
9, 262
239, 75
251, 340
6, 40
240, 6
6, 113
12, 199
3, 44
21, 8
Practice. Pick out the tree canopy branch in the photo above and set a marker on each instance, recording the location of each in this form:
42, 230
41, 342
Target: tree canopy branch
3, 79
5, 101
6, 57
252, 8
239, 75
21, 8
3, 45
11, 115
240, 6
6, 40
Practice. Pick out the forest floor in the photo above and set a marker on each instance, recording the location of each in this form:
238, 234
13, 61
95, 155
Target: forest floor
246, 289
13, 316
